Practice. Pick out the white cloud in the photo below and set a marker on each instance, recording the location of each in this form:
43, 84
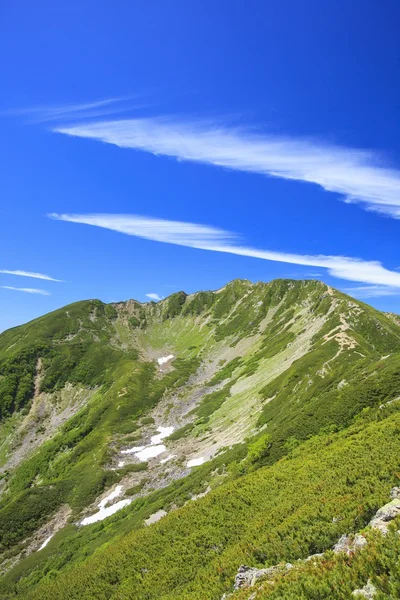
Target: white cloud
355, 174
373, 291
154, 296
26, 290
29, 274
217, 240
98, 108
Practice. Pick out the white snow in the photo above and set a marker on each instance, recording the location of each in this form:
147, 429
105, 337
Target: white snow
121, 463
46, 541
163, 359
143, 453
150, 452
163, 433
164, 460
133, 450
196, 462
105, 512
117, 492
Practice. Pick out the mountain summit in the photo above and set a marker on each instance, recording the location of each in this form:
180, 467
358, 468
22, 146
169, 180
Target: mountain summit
251, 422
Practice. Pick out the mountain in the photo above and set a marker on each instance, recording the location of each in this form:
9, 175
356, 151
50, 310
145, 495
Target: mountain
149, 450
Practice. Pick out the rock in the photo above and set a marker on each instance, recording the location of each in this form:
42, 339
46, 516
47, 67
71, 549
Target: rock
385, 514
350, 544
368, 591
314, 557
247, 576
395, 493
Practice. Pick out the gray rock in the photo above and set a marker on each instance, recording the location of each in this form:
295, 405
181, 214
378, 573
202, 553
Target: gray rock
368, 591
349, 544
384, 515
395, 493
314, 557
247, 576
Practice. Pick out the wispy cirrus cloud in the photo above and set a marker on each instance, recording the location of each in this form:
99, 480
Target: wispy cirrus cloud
154, 296
205, 237
85, 110
355, 174
26, 290
30, 274
373, 291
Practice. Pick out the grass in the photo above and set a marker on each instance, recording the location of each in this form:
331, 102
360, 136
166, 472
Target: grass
284, 382
262, 518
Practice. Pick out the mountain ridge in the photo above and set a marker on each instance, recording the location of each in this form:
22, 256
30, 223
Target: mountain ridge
115, 404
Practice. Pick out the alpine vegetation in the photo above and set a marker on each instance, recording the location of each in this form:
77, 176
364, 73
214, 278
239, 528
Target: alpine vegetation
235, 443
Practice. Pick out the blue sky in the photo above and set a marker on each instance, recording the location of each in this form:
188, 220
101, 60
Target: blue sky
149, 147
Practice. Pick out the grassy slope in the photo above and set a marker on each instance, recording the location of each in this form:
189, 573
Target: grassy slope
94, 344
282, 512
337, 576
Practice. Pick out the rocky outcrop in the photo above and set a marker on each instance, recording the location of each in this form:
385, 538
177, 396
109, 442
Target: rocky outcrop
368, 591
247, 576
386, 514
350, 544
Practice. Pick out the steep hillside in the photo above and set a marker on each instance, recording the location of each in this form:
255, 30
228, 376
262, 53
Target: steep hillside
133, 410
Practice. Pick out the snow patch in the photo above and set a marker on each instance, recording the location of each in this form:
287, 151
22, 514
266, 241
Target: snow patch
133, 450
150, 452
117, 492
163, 433
106, 512
121, 463
196, 462
143, 453
170, 457
46, 541
163, 359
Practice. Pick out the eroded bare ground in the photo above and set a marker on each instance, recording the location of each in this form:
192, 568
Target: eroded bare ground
176, 408
47, 413
228, 425
39, 540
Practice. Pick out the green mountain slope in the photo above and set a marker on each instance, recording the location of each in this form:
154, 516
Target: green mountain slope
126, 399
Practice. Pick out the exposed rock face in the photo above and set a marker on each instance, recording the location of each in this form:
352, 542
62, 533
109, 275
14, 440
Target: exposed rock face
386, 514
247, 576
368, 591
350, 544
395, 493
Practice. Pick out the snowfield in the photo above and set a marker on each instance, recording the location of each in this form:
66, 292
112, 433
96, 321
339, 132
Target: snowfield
150, 452
164, 359
105, 512
163, 433
46, 541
